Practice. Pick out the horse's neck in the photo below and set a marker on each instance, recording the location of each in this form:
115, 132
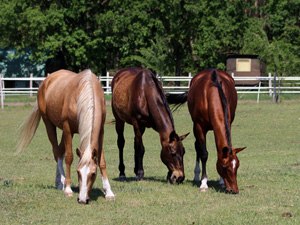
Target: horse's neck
164, 127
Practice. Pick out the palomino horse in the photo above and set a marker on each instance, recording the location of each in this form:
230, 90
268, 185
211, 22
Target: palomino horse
74, 103
212, 101
138, 99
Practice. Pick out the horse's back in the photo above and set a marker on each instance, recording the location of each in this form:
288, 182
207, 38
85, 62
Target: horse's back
58, 95
129, 88
204, 100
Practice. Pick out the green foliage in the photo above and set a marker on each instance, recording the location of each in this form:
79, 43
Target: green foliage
154, 57
186, 36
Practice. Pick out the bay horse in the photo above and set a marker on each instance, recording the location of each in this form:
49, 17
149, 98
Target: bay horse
74, 103
212, 101
138, 99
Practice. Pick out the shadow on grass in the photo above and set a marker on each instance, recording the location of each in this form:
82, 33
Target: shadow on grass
133, 179
94, 195
213, 184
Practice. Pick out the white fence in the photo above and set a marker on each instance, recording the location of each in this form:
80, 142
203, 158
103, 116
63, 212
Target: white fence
262, 85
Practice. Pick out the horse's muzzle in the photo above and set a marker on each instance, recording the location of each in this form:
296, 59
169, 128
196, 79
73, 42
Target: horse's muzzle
83, 202
232, 191
176, 177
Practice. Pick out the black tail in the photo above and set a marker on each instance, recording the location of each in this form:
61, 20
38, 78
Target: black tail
218, 84
176, 100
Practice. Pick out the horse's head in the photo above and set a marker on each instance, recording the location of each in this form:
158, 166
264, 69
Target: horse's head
227, 166
172, 157
87, 173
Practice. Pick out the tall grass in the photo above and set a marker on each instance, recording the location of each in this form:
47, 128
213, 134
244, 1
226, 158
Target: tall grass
268, 176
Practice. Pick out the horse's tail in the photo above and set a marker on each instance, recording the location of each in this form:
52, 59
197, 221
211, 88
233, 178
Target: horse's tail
177, 100
28, 128
163, 97
218, 84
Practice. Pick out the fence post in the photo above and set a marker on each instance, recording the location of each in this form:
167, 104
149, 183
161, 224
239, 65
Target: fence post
107, 83
274, 88
190, 78
1, 90
270, 85
258, 91
30, 84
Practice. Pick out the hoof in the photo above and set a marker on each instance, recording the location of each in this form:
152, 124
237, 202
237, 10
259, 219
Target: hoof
110, 198
203, 189
68, 194
122, 178
140, 175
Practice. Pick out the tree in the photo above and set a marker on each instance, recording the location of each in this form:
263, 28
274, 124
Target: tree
186, 36
219, 32
275, 37
154, 57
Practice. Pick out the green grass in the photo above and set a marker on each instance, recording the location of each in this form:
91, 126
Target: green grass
27, 98
268, 176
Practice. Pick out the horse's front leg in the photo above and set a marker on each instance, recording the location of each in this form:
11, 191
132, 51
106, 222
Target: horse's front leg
121, 142
139, 151
109, 195
201, 151
67, 137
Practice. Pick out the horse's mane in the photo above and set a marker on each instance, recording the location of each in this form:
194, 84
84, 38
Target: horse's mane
218, 84
163, 97
85, 114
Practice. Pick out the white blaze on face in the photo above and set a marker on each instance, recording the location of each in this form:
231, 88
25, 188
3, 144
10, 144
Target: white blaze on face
84, 171
233, 163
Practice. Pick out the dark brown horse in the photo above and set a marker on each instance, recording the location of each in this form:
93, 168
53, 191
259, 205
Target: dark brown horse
212, 101
138, 99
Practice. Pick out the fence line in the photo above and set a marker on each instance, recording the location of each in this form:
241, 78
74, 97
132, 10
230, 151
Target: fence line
263, 85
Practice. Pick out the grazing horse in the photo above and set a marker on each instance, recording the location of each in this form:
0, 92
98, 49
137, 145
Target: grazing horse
74, 103
212, 101
138, 99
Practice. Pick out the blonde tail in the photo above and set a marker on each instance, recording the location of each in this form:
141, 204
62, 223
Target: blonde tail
28, 128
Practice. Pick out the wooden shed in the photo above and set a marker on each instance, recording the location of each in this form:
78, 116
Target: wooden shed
245, 66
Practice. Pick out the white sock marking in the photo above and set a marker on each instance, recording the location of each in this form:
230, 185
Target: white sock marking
60, 175
204, 183
106, 188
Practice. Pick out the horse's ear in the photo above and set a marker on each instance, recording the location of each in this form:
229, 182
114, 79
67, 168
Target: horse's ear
225, 152
237, 150
173, 136
79, 153
182, 137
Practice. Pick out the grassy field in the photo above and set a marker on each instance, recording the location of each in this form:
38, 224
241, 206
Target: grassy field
268, 176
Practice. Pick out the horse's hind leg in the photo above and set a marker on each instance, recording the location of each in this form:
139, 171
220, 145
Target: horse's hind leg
67, 137
60, 173
58, 155
201, 151
139, 151
121, 142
